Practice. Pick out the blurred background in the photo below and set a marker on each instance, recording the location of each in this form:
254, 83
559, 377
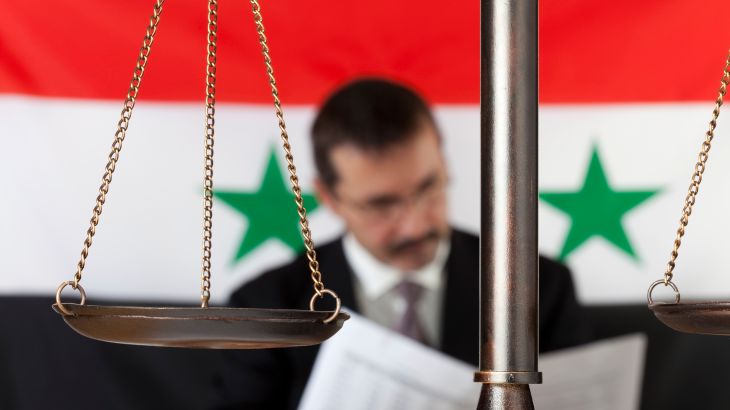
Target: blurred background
626, 91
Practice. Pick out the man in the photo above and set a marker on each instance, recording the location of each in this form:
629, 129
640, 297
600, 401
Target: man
381, 170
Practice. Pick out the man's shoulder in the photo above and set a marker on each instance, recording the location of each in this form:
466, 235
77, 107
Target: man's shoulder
463, 239
552, 267
556, 280
282, 286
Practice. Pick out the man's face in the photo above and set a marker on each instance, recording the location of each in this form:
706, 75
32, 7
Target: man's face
393, 201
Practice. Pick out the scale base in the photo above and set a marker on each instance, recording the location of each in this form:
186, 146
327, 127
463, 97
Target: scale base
505, 396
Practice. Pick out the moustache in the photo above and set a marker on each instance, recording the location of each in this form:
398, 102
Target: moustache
410, 243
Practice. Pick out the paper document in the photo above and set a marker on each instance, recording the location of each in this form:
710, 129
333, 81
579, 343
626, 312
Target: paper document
368, 367
604, 375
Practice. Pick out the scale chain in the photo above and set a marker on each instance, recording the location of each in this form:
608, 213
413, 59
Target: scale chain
210, 99
316, 275
209, 140
696, 179
119, 136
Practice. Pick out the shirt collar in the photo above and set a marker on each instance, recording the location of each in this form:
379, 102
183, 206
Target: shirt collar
377, 278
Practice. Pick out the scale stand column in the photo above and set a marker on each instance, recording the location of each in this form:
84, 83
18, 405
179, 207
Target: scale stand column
509, 259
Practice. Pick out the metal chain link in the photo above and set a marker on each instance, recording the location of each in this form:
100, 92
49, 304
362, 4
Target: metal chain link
699, 169
119, 135
209, 140
303, 222
123, 124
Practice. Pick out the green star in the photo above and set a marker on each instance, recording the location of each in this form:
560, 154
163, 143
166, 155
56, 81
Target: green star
270, 211
596, 210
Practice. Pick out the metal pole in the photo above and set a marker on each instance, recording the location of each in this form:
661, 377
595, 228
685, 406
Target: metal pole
509, 279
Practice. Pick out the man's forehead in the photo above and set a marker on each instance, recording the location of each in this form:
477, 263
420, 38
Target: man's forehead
425, 140
386, 171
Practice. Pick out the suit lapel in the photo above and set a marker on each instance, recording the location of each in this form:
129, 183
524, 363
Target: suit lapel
460, 316
339, 275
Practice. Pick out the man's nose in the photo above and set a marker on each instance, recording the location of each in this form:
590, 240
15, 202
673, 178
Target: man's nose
415, 221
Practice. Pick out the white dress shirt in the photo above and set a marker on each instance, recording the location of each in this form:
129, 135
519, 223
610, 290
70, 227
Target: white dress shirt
375, 288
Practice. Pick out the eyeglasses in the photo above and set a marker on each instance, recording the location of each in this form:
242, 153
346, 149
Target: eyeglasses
389, 208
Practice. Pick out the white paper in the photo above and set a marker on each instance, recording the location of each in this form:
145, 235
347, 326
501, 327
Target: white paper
604, 375
368, 367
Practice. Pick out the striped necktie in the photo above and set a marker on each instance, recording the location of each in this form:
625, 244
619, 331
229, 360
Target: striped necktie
409, 325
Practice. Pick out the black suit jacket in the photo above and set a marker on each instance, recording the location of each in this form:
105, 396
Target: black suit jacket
275, 378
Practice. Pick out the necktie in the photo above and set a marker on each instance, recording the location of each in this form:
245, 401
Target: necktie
409, 325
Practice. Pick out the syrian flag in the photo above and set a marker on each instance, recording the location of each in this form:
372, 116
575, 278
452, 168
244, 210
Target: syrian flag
626, 92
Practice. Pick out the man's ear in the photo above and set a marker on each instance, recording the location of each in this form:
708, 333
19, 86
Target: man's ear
326, 196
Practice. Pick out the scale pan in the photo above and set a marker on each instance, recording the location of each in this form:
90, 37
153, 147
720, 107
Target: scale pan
209, 328
709, 318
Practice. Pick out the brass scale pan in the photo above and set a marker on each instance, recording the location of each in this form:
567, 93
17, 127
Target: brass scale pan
203, 327
209, 328
710, 318
704, 317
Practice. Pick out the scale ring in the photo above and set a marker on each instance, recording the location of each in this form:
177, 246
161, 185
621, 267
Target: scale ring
78, 287
333, 316
660, 282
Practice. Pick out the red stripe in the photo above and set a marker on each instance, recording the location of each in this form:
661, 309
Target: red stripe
591, 51
628, 50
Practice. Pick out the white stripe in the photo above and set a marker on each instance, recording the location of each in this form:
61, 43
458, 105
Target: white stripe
642, 147
147, 245
148, 242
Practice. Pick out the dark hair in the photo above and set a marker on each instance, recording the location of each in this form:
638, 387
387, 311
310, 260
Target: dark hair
371, 114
